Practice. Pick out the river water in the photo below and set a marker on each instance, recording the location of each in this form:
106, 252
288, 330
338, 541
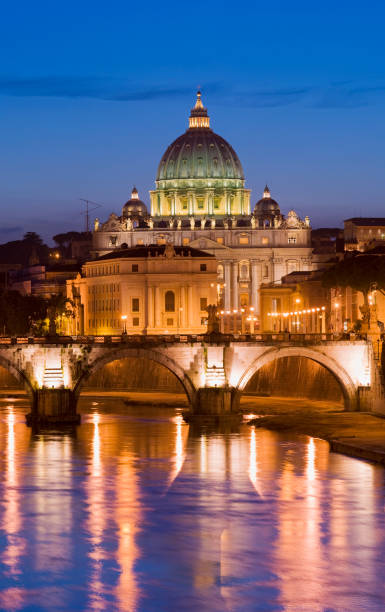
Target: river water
135, 511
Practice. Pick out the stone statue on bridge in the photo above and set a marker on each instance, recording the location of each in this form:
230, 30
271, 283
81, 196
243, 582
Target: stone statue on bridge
212, 320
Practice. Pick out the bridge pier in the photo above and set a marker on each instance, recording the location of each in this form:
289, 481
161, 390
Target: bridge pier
53, 407
214, 405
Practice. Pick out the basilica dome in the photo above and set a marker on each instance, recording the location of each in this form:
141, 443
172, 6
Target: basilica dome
199, 153
266, 205
134, 207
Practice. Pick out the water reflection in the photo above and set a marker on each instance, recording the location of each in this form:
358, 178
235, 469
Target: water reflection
136, 511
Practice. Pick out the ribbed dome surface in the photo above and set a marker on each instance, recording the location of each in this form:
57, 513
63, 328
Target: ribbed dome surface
266, 205
200, 153
134, 207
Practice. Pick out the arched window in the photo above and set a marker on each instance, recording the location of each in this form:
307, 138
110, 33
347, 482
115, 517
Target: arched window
169, 301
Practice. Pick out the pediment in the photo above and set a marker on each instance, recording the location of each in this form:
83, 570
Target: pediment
206, 243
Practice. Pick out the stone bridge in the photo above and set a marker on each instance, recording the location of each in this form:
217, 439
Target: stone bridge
214, 370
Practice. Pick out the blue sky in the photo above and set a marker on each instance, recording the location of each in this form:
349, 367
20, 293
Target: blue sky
91, 94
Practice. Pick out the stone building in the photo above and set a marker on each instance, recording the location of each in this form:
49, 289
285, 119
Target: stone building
200, 200
299, 304
155, 289
363, 233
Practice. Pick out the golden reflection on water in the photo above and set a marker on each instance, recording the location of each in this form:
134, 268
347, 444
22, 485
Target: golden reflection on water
181, 512
127, 518
97, 518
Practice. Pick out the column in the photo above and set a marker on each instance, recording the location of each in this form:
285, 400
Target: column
182, 311
150, 307
234, 284
255, 283
227, 278
211, 202
190, 306
228, 203
157, 308
190, 203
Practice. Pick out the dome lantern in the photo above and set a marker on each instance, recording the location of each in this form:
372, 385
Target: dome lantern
198, 116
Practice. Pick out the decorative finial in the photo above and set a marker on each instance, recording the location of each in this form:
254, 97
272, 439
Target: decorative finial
199, 117
134, 194
266, 192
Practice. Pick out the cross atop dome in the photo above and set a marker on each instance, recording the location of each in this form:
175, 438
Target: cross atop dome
266, 192
198, 116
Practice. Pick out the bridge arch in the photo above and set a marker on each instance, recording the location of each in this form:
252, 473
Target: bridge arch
19, 375
348, 387
139, 353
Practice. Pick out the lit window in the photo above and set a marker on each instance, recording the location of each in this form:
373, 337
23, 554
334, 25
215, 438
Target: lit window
203, 303
169, 301
243, 240
186, 241
265, 240
140, 242
220, 240
135, 305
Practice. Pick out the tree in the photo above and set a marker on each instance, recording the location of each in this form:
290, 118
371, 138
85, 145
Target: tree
19, 314
362, 272
33, 238
56, 308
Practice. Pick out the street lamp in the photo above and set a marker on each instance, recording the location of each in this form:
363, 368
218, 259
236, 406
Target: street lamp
124, 319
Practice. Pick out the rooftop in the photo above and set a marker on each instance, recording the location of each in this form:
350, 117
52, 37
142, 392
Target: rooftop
153, 250
366, 221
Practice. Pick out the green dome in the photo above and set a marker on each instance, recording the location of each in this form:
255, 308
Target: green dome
199, 153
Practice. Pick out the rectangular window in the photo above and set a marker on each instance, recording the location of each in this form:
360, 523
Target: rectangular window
203, 303
186, 241
220, 240
265, 271
170, 322
135, 305
292, 240
140, 242
135, 268
265, 240
200, 204
243, 240
135, 322
161, 241
203, 267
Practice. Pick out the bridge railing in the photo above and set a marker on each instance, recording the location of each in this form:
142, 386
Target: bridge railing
177, 338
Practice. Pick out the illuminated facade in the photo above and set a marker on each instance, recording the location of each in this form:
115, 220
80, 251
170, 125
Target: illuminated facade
152, 290
363, 233
300, 304
200, 200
